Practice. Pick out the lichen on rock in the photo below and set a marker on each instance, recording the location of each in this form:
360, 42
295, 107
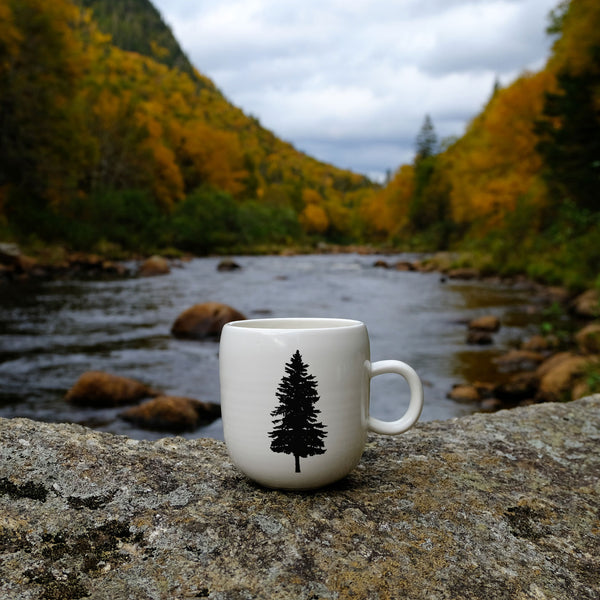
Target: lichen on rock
495, 506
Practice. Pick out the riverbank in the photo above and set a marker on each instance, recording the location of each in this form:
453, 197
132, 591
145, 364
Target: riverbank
51, 262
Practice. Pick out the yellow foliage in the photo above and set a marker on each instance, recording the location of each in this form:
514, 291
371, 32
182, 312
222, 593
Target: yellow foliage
386, 211
496, 162
574, 49
314, 219
311, 197
145, 126
214, 157
340, 217
167, 183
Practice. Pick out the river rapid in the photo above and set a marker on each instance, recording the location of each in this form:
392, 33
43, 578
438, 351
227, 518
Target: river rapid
53, 331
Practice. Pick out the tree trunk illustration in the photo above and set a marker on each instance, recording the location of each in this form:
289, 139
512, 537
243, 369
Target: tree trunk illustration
296, 429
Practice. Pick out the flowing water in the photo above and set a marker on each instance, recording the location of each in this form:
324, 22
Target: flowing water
51, 332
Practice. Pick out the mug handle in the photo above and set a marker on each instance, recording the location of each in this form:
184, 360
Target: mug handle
413, 412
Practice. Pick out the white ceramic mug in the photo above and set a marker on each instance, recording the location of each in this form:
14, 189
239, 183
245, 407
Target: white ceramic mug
295, 398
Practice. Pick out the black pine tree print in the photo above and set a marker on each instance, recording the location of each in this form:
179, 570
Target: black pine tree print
296, 429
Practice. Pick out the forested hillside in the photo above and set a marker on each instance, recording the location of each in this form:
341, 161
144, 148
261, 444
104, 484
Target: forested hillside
110, 138
101, 144
136, 26
521, 187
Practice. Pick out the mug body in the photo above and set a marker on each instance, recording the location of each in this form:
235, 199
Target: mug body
294, 398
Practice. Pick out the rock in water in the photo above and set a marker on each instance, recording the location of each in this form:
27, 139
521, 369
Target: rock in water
228, 264
588, 338
587, 305
204, 320
155, 265
172, 413
97, 389
492, 506
466, 394
489, 323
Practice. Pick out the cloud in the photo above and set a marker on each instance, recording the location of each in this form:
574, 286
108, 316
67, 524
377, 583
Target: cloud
350, 81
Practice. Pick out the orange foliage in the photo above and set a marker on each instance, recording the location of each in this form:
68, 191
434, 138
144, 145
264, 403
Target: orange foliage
314, 219
104, 119
495, 163
573, 50
386, 211
210, 156
311, 197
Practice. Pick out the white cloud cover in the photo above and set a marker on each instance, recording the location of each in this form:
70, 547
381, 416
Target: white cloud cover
350, 81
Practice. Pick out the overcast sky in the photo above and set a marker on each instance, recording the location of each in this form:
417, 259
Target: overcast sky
350, 81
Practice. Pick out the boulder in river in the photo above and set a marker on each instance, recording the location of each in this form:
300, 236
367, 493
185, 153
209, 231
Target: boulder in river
155, 265
99, 389
489, 323
383, 264
588, 338
559, 373
227, 264
540, 343
519, 360
404, 265
204, 320
520, 386
464, 394
587, 305
174, 414
482, 338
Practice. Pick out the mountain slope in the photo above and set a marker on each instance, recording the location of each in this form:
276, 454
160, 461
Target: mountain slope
137, 26
121, 110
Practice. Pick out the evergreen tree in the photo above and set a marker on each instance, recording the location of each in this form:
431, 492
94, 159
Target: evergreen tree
570, 138
296, 430
427, 142
430, 205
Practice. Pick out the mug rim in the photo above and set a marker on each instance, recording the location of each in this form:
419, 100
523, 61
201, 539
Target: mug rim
294, 324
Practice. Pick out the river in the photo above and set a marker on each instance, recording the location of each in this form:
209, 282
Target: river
53, 331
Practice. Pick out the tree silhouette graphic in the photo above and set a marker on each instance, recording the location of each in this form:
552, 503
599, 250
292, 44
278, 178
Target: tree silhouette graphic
296, 429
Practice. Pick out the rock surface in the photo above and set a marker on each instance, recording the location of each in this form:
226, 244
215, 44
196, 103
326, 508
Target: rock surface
502, 506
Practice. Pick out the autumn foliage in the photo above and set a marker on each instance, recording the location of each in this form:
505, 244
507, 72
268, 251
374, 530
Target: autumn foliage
522, 184
85, 122
108, 135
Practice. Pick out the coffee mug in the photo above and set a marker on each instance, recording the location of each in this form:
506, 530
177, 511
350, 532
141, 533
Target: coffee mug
295, 398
